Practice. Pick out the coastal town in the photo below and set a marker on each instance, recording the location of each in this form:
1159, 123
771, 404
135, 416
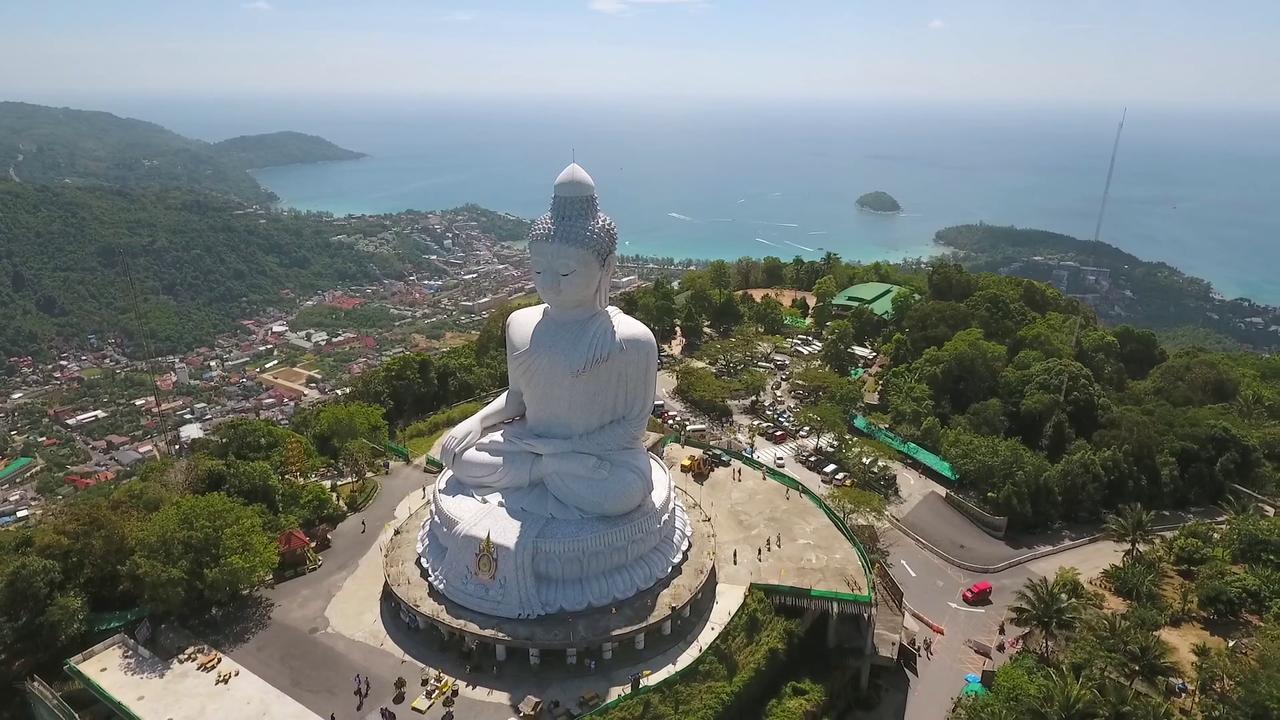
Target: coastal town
80, 418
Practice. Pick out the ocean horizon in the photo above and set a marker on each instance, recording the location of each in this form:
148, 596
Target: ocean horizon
1194, 189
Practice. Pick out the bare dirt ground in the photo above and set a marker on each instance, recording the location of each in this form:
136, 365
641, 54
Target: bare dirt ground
783, 295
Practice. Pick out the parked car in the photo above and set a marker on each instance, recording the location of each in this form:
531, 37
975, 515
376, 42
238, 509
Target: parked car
977, 592
806, 431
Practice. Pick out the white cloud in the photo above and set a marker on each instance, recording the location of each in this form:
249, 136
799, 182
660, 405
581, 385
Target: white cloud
611, 7
259, 5
460, 16
619, 7
936, 24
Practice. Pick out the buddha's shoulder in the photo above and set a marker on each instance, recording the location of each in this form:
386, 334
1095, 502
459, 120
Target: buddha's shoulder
527, 314
631, 331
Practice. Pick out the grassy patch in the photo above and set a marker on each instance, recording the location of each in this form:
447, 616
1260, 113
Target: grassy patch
356, 496
420, 436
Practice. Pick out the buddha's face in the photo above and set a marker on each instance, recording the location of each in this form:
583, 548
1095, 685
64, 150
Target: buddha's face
566, 277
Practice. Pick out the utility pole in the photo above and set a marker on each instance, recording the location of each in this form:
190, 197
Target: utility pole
1106, 189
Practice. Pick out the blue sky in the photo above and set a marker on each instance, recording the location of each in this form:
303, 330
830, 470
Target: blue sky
1081, 52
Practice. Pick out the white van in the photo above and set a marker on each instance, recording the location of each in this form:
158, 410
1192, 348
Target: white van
830, 470
696, 430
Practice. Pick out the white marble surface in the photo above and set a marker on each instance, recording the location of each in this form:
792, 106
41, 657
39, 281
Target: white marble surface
550, 502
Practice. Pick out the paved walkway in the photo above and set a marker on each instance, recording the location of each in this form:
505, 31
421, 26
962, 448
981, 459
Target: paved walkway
295, 648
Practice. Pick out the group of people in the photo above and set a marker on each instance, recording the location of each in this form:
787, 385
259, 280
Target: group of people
925, 648
362, 693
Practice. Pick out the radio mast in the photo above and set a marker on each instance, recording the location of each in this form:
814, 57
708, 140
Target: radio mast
1106, 189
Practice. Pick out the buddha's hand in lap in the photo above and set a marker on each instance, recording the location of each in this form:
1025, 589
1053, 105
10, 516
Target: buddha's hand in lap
460, 439
574, 464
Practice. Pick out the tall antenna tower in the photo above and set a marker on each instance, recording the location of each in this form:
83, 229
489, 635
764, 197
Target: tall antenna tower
145, 338
1106, 189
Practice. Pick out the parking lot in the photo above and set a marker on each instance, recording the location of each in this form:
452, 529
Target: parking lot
773, 430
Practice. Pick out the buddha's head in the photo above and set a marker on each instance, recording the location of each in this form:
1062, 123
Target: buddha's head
573, 248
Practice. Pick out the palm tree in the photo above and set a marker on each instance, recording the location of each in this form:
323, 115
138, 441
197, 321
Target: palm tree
1237, 505
1067, 697
1132, 526
1121, 703
1150, 658
1041, 605
1202, 666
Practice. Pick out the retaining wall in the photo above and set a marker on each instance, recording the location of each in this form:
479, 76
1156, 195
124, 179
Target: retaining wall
993, 525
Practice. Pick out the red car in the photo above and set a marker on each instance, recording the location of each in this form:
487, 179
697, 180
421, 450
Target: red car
977, 592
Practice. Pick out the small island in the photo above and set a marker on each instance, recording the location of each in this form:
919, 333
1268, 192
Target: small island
280, 148
879, 201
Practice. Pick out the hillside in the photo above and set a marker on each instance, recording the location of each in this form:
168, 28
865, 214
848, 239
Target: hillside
41, 144
1128, 289
280, 148
200, 262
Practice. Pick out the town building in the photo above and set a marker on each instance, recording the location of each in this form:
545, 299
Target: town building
874, 296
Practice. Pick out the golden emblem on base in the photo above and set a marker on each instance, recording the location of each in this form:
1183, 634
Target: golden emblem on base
487, 559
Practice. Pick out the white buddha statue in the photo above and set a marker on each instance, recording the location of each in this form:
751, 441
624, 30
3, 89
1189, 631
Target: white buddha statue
550, 499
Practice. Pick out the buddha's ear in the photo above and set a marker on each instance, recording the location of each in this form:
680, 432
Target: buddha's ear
606, 277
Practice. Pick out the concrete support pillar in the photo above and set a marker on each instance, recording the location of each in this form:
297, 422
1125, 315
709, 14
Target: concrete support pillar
868, 649
535, 657
606, 651
666, 627
640, 641
500, 651
571, 656
684, 612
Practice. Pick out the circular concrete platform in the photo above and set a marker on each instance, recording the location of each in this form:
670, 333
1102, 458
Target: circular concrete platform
649, 611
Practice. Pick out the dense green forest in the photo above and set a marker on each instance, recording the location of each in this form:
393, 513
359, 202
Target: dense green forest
200, 263
1046, 414
280, 148
81, 147
1154, 295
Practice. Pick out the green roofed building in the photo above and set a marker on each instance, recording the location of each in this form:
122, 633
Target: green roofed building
16, 469
874, 296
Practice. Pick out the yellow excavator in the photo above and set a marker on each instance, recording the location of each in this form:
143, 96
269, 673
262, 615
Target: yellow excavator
697, 465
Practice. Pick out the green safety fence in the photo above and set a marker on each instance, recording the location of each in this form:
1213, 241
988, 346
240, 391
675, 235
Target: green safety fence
931, 461
112, 619
98, 691
399, 451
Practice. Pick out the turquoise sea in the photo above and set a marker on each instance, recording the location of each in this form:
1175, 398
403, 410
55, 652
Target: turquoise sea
1200, 190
